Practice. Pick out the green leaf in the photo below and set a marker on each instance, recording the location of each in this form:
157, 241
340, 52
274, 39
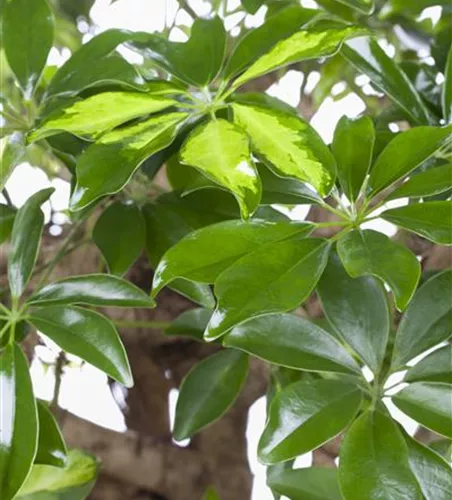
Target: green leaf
166, 224
93, 290
27, 39
100, 113
363, 6
432, 220
208, 390
95, 63
312, 483
427, 320
71, 483
357, 309
374, 451
288, 144
211, 494
302, 45
106, 166
220, 150
19, 421
275, 278
190, 323
305, 415
120, 234
432, 472
25, 239
86, 334
204, 254
7, 215
436, 367
447, 90
11, 154
353, 146
429, 183
404, 153
429, 403
252, 6
443, 447
368, 252
259, 40
51, 446
385, 74
196, 61
287, 340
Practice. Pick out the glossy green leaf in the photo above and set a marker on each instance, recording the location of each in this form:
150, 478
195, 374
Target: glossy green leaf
312, 483
305, 415
368, 252
190, 323
166, 224
27, 39
288, 144
427, 321
374, 451
208, 390
86, 334
93, 290
287, 340
432, 220
74, 482
19, 421
352, 147
447, 90
275, 278
429, 183
363, 6
259, 40
94, 63
25, 240
432, 472
204, 254
196, 61
106, 166
220, 150
10, 155
100, 113
443, 447
120, 234
404, 153
436, 367
369, 58
51, 446
429, 403
7, 215
357, 309
302, 45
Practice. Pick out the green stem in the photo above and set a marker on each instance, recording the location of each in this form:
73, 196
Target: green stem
4, 309
3, 330
331, 224
7, 197
156, 325
333, 210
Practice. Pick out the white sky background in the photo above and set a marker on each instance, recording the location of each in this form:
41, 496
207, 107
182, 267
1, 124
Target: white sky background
84, 389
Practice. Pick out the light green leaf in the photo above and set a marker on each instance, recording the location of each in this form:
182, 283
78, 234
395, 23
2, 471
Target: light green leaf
427, 321
287, 340
93, 290
27, 39
7, 216
288, 144
357, 309
25, 240
368, 252
275, 278
204, 254
306, 414
51, 446
120, 234
12, 152
220, 150
106, 166
374, 451
432, 220
429, 403
88, 335
190, 323
353, 146
436, 367
19, 421
363, 6
100, 113
303, 45
207, 392
447, 90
